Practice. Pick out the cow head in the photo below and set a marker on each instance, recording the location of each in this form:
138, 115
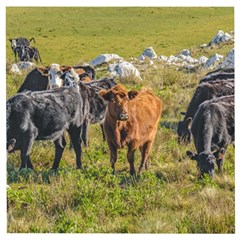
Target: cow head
183, 130
13, 43
118, 98
71, 78
54, 76
205, 162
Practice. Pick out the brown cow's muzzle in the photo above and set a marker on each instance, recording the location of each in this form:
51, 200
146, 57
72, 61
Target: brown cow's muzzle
123, 116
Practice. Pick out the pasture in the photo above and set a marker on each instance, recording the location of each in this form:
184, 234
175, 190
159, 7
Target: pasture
167, 198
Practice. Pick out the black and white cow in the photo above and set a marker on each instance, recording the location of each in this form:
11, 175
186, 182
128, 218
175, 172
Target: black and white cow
18, 42
28, 53
213, 130
45, 115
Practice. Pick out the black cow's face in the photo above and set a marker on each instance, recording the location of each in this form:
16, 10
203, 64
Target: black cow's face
205, 163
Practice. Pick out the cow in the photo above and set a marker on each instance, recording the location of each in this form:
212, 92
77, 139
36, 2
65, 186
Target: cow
219, 74
131, 120
205, 91
28, 53
45, 115
213, 131
43, 78
17, 42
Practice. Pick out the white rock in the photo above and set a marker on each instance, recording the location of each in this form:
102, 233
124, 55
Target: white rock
26, 65
163, 58
15, 69
212, 61
204, 45
220, 37
191, 60
104, 58
228, 62
150, 53
202, 60
185, 52
181, 56
150, 62
141, 58
123, 69
172, 59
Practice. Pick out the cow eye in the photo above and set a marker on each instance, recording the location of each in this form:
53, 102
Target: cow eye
112, 100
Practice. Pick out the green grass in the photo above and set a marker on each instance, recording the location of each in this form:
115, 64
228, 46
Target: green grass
81, 34
167, 198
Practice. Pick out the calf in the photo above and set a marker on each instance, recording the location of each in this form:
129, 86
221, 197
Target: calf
204, 91
45, 115
212, 130
131, 120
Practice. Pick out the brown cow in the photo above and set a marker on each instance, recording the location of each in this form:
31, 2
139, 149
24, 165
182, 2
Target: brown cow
131, 120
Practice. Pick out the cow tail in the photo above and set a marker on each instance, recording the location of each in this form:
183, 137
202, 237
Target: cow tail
39, 57
33, 40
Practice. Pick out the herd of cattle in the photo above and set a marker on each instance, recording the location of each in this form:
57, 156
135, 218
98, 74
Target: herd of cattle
55, 99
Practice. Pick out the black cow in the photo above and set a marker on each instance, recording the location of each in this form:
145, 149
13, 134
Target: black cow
204, 91
17, 42
36, 80
94, 105
219, 74
45, 115
213, 131
28, 53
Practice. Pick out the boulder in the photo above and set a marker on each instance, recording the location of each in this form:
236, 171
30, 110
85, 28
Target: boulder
123, 69
104, 58
148, 52
220, 37
163, 58
213, 61
228, 62
26, 65
15, 69
202, 60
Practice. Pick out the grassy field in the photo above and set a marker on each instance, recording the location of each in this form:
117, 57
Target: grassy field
167, 198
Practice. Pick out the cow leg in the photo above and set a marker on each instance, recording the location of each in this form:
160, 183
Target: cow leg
75, 135
59, 147
145, 151
84, 132
130, 157
103, 134
29, 163
27, 143
113, 157
220, 164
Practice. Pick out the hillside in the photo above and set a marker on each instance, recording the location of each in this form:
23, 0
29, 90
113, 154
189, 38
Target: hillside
168, 198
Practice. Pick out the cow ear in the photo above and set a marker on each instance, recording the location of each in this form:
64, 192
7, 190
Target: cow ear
132, 94
191, 155
106, 95
11, 144
189, 122
64, 68
43, 70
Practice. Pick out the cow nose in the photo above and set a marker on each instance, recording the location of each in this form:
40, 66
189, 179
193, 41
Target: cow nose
123, 116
